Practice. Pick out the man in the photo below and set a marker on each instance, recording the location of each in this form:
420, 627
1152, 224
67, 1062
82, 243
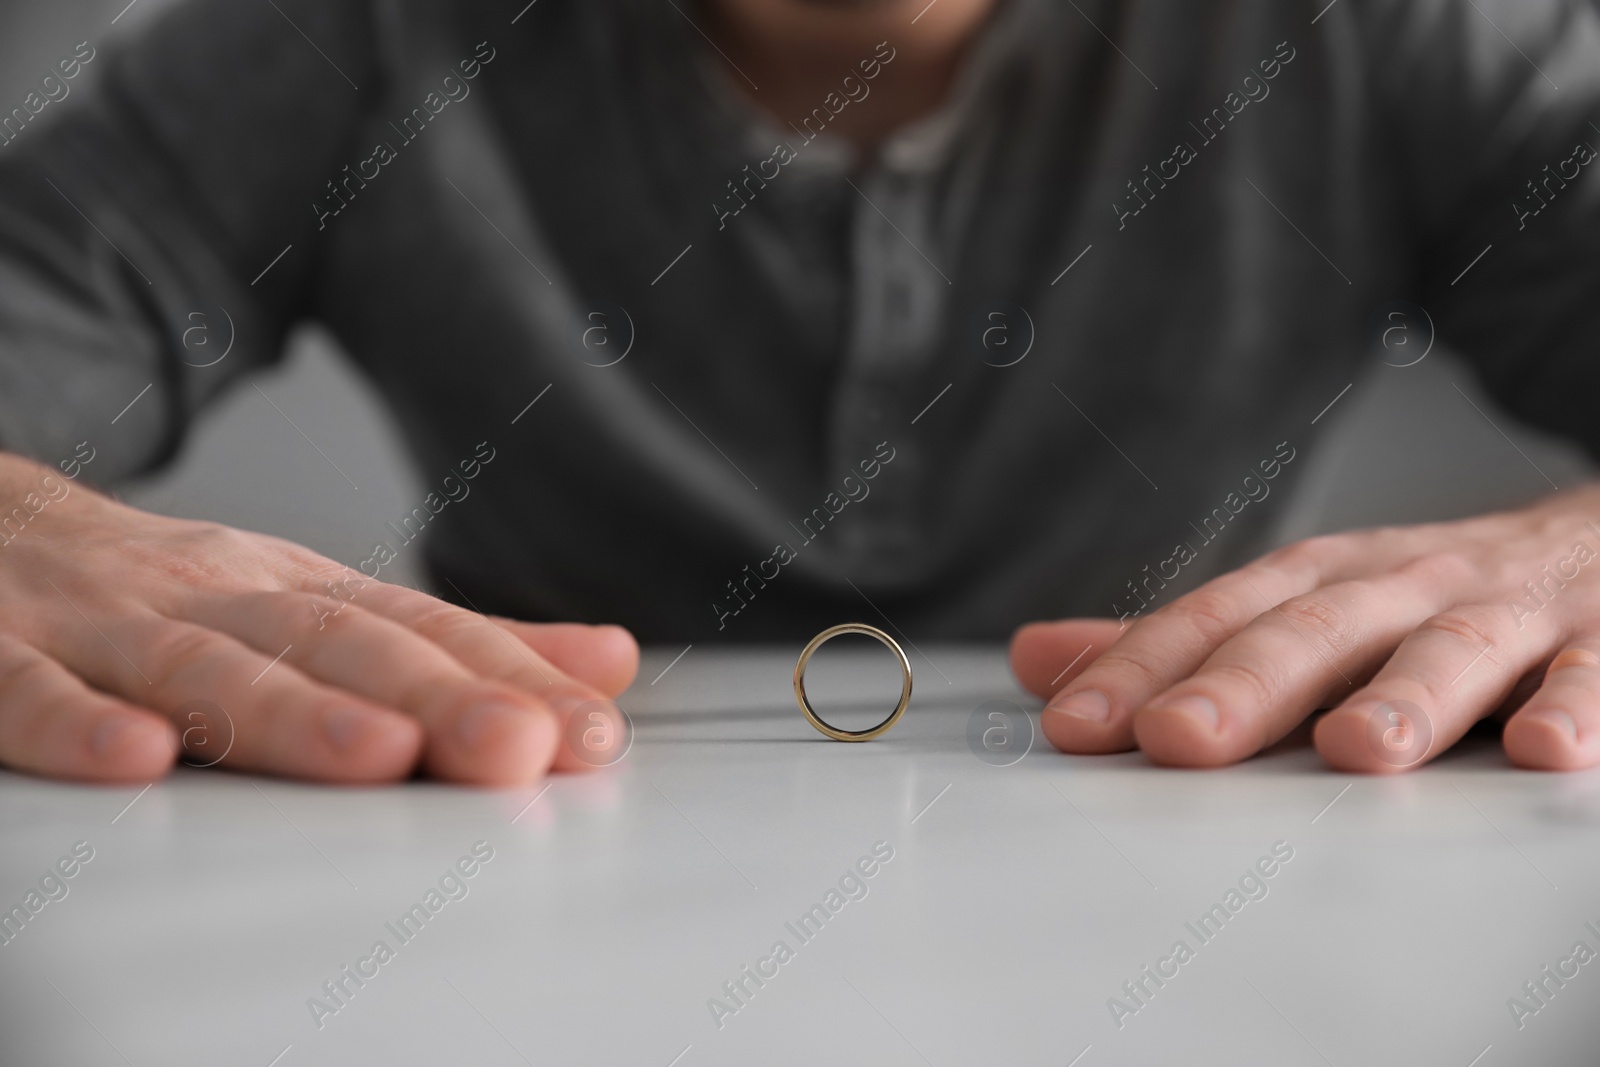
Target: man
961, 314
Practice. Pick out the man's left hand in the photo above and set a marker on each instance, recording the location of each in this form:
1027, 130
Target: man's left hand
1410, 634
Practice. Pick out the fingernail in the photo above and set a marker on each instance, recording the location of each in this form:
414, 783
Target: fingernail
1198, 708
1090, 705
484, 720
1557, 718
344, 725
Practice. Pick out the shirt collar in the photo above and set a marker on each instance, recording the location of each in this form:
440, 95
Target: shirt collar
923, 146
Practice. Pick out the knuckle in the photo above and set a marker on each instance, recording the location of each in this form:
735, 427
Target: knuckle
1392, 538
188, 569
176, 647
1214, 614
1310, 551
444, 623
1449, 568
304, 613
218, 537
1323, 620
207, 554
336, 581
302, 566
1113, 663
1478, 625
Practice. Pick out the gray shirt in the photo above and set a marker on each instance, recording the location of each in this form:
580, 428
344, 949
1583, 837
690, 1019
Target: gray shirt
1054, 350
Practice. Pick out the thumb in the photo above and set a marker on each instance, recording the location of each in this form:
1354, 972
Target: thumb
1045, 656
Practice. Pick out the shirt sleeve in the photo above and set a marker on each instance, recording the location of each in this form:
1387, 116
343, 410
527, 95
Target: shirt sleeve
1488, 109
139, 215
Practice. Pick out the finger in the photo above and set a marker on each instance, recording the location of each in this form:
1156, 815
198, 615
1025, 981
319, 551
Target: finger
1048, 655
278, 720
1520, 693
1455, 669
479, 730
1308, 652
489, 650
605, 657
1095, 712
1558, 729
51, 723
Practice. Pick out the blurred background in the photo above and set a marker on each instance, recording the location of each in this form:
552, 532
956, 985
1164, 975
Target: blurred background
1402, 446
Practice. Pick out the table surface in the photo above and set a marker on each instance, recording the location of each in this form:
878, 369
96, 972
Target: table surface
1018, 901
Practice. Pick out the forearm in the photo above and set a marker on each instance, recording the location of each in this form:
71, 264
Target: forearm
136, 213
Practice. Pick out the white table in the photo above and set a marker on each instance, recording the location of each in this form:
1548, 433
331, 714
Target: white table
1018, 901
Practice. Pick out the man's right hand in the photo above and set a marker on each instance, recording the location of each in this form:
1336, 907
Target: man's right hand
114, 622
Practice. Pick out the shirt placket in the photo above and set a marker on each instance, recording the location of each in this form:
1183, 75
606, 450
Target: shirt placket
897, 305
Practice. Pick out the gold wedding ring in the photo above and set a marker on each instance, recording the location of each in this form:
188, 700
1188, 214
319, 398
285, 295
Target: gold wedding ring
800, 682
